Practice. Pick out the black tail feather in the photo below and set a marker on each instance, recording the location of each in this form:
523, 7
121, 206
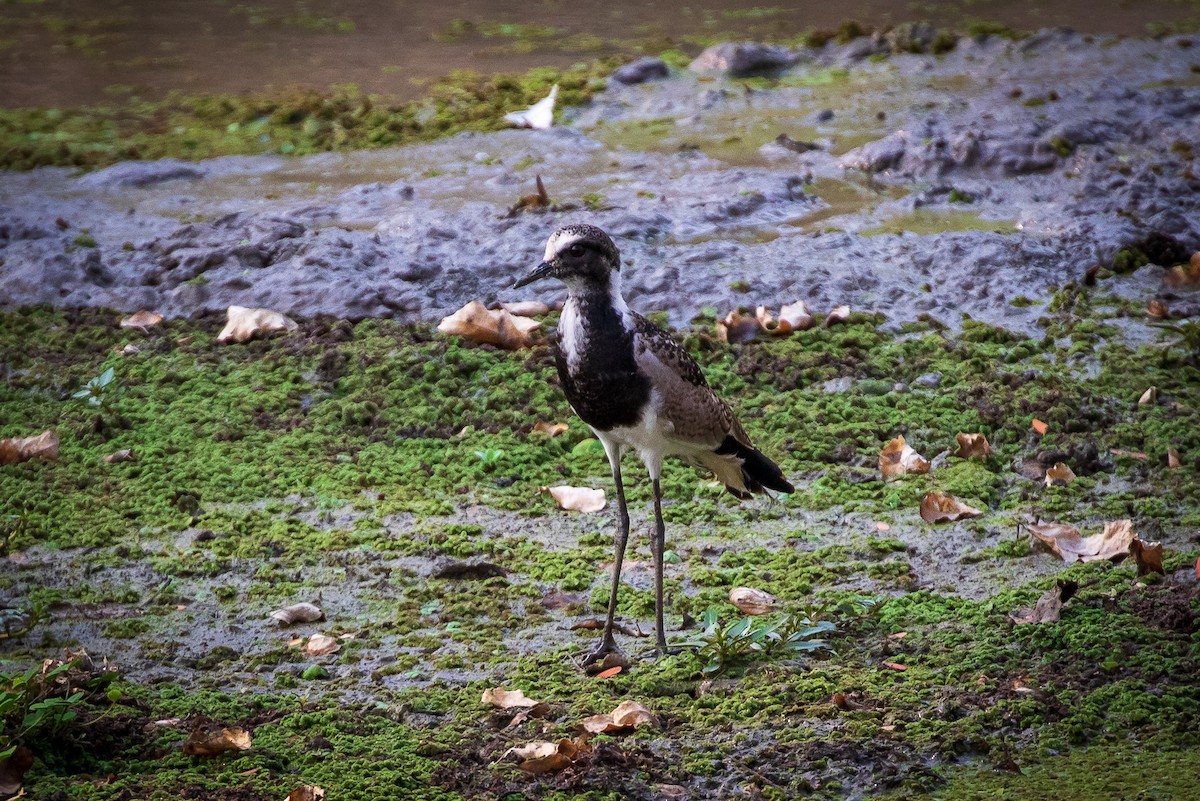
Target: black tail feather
758, 472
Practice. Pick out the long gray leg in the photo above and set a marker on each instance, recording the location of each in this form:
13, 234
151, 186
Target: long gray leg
657, 545
608, 644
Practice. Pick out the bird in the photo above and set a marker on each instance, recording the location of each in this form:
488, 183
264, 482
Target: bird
638, 389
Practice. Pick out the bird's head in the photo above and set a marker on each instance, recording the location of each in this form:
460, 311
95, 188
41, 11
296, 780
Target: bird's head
579, 256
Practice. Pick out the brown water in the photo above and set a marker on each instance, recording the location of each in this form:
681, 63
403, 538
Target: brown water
63, 52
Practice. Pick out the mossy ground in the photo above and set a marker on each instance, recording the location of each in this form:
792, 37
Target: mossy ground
344, 463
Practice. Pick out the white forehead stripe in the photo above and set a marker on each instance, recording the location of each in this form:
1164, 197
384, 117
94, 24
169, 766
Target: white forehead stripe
560, 241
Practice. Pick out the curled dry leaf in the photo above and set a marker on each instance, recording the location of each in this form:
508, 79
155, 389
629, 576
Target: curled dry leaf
539, 116
1173, 460
938, 507
1185, 275
142, 319
897, 458
792, 317
321, 645
1149, 397
737, 328
490, 327
627, 715
212, 742
298, 613
243, 324
125, 455
550, 429
1157, 309
750, 601
1048, 607
307, 792
1064, 540
1039, 426
578, 499
973, 446
13, 769
1059, 475
839, 314
507, 699
546, 757
1148, 556
21, 449
526, 308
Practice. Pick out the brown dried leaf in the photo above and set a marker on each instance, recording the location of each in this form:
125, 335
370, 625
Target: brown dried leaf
897, 458
13, 769
1048, 607
577, 499
307, 792
125, 455
750, 601
526, 308
507, 699
497, 327
1039, 426
837, 315
973, 446
1149, 397
142, 319
737, 328
21, 449
1059, 475
550, 429
938, 507
202, 742
1148, 556
298, 613
1185, 275
1157, 309
627, 715
895, 666
1065, 541
321, 645
243, 324
1173, 460
545, 757
792, 317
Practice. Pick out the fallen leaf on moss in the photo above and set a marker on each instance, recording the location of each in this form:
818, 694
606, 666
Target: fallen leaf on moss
507, 699
125, 455
298, 613
577, 499
792, 317
750, 601
1112, 544
1148, 556
1185, 275
839, 314
938, 507
1059, 475
898, 458
307, 792
737, 328
1149, 397
21, 449
490, 327
13, 769
243, 324
973, 446
627, 715
550, 429
1173, 460
608, 673
1130, 454
895, 666
526, 308
546, 757
1039, 426
321, 645
213, 742
142, 319
1048, 607
1157, 309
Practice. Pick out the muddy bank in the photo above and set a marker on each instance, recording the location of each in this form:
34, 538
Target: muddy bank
940, 185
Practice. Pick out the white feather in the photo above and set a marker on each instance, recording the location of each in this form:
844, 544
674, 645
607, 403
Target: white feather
539, 116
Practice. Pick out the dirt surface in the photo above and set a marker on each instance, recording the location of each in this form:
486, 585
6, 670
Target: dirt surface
1069, 149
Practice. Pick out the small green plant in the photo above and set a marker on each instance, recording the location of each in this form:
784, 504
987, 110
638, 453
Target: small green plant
36, 703
594, 201
97, 393
490, 457
721, 646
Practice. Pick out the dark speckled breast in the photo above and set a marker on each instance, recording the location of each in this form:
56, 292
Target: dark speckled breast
606, 389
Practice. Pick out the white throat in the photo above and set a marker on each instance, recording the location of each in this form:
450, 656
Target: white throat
572, 331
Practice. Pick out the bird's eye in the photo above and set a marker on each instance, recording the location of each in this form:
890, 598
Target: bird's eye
576, 250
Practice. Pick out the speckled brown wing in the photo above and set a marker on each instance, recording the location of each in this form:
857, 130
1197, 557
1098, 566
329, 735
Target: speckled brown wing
688, 403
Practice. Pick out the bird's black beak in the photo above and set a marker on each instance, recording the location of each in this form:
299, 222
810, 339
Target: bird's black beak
536, 274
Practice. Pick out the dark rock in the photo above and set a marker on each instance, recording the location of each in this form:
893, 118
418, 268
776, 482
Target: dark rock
133, 174
644, 69
740, 59
469, 571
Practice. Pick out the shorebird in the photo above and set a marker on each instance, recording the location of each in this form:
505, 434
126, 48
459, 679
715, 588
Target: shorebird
638, 389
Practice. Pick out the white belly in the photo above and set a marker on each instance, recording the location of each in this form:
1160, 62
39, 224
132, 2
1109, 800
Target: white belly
651, 438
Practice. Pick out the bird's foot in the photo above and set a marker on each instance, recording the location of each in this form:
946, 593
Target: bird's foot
605, 656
